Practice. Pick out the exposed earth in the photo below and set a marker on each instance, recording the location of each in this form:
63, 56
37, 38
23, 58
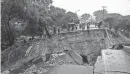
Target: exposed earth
96, 51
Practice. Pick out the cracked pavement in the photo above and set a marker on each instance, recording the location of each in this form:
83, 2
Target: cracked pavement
113, 62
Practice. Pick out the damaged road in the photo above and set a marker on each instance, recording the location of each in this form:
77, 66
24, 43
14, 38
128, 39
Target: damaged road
114, 62
90, 48
111, 62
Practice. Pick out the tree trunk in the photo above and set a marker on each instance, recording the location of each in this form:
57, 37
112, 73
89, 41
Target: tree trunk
9, 33
47, 32
54, 30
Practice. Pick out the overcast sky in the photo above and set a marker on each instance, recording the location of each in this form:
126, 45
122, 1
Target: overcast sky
89, 6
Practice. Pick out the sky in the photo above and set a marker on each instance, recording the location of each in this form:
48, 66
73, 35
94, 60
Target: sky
89, 6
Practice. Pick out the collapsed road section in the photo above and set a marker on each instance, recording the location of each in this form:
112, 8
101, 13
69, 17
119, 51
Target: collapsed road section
37, 58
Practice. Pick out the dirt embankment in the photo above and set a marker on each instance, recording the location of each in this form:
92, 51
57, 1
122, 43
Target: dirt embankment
89, 43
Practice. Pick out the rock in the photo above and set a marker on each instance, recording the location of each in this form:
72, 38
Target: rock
71, 69
6, 72
76, 57
127, 49
37, 60
64, 57
31, 70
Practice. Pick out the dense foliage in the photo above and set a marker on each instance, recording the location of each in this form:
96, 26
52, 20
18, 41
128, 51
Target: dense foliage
113, 21
31, 18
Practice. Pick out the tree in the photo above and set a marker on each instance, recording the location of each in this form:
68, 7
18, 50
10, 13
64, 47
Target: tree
61, 19
30, 10
85, 16
10, 9
111, 22
17, 26
99, 15
56, 15
72, 16
124, 24
37, 14
114, 15
124, 27
118, 22
127, 17
69, 18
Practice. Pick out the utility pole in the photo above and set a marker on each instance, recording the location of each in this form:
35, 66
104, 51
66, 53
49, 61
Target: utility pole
103, 11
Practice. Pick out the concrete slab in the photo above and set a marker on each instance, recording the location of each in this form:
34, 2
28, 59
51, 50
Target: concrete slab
99, 66
110, 73
113, 61
116, 60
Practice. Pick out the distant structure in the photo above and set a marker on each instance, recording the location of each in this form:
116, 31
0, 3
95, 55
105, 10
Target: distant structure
84, 24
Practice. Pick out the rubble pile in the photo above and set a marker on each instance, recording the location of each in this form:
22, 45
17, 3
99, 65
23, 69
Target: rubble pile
48, 56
